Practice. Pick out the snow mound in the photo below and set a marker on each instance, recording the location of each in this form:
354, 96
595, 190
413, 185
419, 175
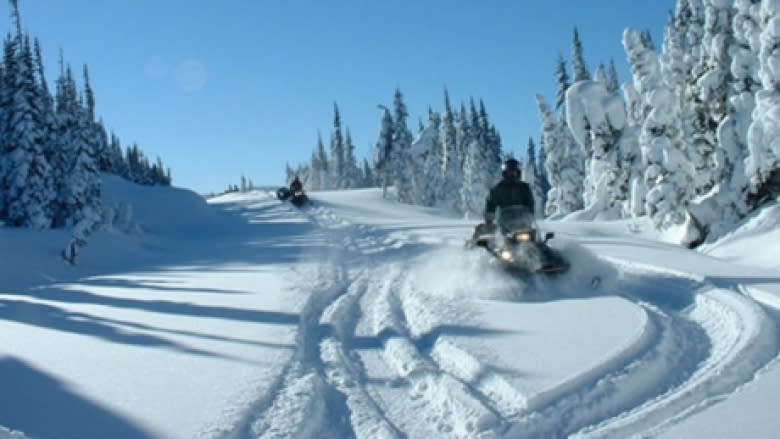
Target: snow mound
748, 243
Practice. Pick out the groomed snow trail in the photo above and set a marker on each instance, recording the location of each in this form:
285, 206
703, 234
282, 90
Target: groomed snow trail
376, 358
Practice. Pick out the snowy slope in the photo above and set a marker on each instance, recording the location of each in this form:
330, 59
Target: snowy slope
358, 316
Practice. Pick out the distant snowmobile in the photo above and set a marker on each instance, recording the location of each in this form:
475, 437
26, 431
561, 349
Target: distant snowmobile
298, 198
515, 242
283, 193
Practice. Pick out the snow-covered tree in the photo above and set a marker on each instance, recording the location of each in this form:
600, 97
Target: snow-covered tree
601, 74
26, 176
383, 151
352, 174
562, 77
668, 175
451, 161
763, 161
336, 165
401, 154
581, 72
529, 176
596, 119
565, 194
613, 83
429, 149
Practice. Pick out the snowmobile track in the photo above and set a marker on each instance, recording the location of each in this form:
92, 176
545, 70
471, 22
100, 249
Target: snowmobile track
713, 340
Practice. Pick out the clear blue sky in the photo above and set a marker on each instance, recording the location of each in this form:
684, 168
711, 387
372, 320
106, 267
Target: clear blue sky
218, 89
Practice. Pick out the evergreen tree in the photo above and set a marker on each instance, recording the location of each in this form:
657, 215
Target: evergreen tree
451, 160
383, 151
565, 194
369, 179
562, 77
613, 83
336, 152
601, 74
431, 180
352, 176
668, 175
579, 66
541, 171
26, 177
401, 157
531, 176
324, 162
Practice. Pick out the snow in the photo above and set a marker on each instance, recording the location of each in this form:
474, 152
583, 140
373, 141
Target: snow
360, 316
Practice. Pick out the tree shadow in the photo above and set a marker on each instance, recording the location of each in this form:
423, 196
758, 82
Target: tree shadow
161, 306
52, 317
42, 406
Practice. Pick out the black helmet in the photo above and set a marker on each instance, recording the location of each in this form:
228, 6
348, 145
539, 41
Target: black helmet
511, 166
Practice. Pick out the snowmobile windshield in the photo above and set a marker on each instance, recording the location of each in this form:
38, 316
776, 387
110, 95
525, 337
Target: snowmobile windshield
515, 218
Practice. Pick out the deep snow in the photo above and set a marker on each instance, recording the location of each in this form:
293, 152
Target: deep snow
359, 316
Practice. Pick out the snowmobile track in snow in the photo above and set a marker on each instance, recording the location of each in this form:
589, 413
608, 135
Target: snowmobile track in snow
712, 340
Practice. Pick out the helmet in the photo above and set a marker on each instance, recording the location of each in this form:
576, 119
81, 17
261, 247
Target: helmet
510, 164
511, 169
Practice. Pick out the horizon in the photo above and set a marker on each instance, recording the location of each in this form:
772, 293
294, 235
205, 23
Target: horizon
247, 92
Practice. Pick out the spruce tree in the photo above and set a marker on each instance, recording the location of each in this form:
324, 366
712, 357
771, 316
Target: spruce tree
383, 151
613, 83
579, 66
336, 151
562, 76
324, 162
401, 151
451, 160
351, 171
26, 178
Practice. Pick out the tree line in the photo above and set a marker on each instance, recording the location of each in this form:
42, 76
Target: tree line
52, 147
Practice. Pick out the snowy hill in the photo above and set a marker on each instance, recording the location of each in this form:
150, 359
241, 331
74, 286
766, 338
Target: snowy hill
359, 316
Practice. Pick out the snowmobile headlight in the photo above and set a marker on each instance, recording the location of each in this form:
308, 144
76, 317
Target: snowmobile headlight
506, 255
523, 237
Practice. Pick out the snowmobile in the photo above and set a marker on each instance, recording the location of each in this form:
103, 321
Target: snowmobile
515, 241
298, 198
283, 193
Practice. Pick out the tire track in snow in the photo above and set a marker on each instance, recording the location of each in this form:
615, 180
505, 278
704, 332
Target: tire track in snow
452, 406
741, 340
322, 393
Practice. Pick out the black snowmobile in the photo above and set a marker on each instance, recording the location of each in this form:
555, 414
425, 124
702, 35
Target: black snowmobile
515, 242
298, 198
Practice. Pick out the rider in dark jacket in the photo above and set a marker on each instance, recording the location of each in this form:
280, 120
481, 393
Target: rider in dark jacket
296, 185
510, 191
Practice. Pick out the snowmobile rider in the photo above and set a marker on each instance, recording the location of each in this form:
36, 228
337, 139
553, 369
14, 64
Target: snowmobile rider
296, 185
510, 191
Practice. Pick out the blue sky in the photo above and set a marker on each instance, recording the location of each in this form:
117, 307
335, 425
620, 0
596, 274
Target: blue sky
218, 89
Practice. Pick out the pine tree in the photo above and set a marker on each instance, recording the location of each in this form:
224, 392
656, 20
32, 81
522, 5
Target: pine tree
565, 194
336, 152
562, 77
451, 160
668, 174
351, 170
531, 176
601, 74
26, 178
369, 180
401, 157
429, 142
383, 151
613, 83
324, 162
579, 66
